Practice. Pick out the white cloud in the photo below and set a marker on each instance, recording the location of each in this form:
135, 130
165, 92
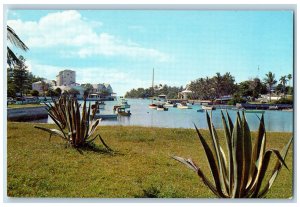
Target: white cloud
78, 35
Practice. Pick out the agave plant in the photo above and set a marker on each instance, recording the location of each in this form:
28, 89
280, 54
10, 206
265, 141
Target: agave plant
75, 127
240, 173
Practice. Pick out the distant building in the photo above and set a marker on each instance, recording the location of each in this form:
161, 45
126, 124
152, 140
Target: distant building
184, 94
42, 86
102, 88
66, 78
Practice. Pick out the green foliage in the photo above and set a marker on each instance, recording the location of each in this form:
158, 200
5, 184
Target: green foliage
240, 173
284, 101
169, 91
252, 88
88, 88
236, 99
73, 92
58, 91
12, 59
50, 92
20, 76
75, 128
214, 87
34, 93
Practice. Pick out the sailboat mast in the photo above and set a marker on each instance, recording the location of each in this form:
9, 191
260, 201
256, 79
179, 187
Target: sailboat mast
152, 84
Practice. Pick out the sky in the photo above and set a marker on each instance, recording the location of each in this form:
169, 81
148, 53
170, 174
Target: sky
121, 47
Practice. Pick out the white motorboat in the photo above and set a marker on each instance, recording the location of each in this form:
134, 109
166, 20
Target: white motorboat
183, 105
170, 104
124, 103
208, 107
161, 108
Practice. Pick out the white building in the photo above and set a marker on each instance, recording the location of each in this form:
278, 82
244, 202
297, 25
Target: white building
42, 86
66, 78
99, 88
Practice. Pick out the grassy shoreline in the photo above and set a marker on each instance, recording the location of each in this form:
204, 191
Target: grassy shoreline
141, 166
20, 106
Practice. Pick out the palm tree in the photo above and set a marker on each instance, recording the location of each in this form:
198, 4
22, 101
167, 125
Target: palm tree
12, 59
289, 77
283, 81
270, 81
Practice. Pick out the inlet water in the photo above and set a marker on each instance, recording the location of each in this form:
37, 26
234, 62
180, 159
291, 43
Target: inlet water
279, 121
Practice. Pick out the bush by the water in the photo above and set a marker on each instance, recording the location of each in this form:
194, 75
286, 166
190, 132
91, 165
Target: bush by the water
236, 100
284, 101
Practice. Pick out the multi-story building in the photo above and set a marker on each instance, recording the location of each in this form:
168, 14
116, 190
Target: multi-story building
66, 78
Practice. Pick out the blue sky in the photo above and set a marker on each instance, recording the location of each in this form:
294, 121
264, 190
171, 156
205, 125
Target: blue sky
121, 47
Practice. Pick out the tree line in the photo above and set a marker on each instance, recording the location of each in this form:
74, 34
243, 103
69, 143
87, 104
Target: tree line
170, 91
217, 86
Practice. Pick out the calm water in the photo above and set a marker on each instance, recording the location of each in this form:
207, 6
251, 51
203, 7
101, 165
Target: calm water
184, 118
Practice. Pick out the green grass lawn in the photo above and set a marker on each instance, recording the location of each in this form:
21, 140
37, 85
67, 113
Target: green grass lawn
17, 106
141, 166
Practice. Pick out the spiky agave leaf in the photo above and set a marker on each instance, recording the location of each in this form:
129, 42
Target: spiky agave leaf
276, 169
212, 164
245, 170
79, 125
53, 131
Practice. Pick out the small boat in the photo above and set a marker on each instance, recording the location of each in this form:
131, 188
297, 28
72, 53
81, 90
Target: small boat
152, 106
122, 112
161, 108
273, 107
170, 104
124, 103
208, 107
183, 105
105, 116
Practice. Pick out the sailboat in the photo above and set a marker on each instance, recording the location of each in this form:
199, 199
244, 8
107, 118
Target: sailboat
152, 105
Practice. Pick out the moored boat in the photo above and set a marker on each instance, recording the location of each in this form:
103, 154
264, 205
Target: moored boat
161, 108
124, 103
208, 107
170, 104
152, 106
183, 105
122, 112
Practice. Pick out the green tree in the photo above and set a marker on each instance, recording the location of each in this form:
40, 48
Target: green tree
45, 87
289, 76
270, 81
12, 59
283, 81
73, 92
51, 92
11, 92
20, 76
88, 88
34, 93
58, 91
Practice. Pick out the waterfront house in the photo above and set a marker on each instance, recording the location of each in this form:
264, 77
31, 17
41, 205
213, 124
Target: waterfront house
43, 85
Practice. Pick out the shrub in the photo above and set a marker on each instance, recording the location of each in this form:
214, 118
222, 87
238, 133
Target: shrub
284, 101
75, 128
236, 100
241, 173
34, 93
